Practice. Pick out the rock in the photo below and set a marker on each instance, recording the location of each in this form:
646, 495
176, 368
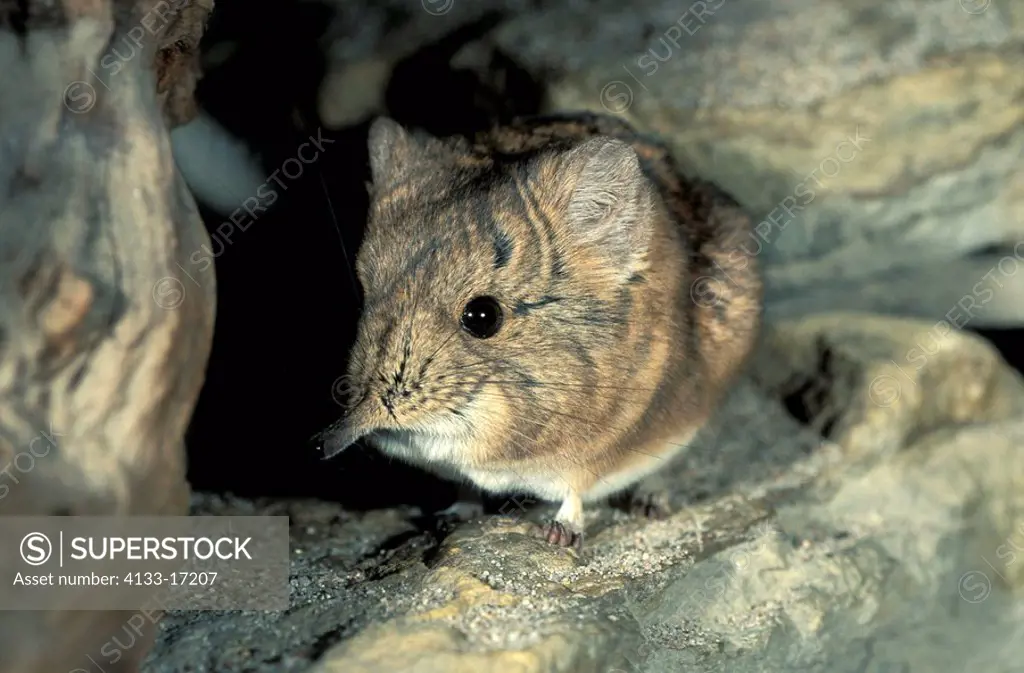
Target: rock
981, 291
103, 345
353, 91
885, 539
497, 592
366, 42
180, 25
872, 384
895, 571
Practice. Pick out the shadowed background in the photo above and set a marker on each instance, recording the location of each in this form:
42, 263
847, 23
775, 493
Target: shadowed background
287, 305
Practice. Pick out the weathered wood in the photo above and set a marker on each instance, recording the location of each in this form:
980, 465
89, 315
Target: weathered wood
103, 337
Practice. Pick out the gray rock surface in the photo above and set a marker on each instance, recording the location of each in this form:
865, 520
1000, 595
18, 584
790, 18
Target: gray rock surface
969, 292
830, 519
769, 100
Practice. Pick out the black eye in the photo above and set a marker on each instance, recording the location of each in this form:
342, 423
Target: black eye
482, 317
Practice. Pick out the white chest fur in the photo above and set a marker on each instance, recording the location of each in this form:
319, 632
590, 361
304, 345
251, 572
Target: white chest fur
445, 456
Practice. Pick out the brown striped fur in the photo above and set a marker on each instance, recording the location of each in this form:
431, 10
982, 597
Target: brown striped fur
629, 302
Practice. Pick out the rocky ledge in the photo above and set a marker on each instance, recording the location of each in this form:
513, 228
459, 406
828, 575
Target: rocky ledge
857, 506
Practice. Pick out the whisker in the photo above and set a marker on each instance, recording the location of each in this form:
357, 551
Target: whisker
430, 358
514, 355
550, 384
469, 367
504, 385
353, 282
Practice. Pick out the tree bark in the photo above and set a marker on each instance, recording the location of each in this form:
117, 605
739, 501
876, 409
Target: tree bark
104, 337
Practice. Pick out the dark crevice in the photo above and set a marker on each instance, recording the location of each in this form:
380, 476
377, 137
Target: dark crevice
17, 18
396, 554
325, 641
1009, 343
811, 399
274, 362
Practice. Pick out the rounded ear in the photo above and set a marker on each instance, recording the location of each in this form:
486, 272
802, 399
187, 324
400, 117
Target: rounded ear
392, 149
612, 200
